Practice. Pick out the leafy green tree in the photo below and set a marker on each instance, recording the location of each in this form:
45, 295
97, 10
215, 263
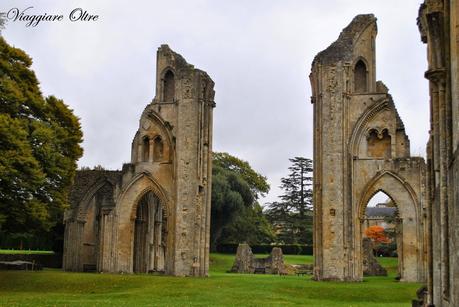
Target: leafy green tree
39, 146
292, 215
250, 226
236, 215
258, 183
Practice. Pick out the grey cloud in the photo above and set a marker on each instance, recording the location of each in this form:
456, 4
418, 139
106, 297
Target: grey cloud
258, 53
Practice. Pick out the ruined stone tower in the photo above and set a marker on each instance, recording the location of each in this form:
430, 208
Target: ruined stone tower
154, 215
360, 148
438, 23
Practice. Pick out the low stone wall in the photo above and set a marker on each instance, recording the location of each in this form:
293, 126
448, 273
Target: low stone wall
246, 262
47, 261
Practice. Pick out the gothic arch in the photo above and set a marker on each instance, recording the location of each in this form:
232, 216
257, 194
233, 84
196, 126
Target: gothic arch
361, 78
405, 198
360, 127
126, 213
140, 185
163, 129
376, 184
90, 214
83, 205
168, 80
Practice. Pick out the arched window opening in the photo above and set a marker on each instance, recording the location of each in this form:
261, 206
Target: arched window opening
380, 235
158, 149
360, 77
92, 229
150, 235
140, 237
146, 149
169, 86
379, 144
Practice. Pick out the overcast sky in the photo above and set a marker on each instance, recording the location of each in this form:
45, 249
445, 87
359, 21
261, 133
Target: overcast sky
259, 54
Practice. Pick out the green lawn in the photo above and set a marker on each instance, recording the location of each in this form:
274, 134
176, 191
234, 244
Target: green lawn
56, 288
24, 251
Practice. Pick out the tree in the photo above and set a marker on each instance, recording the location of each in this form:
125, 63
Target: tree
39, 146
236, 215
257, 183
292, 215
377, 234
250, 226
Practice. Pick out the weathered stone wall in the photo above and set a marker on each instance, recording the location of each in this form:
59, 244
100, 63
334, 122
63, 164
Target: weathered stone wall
170, 158
371, 267
439, 27
246, 262
360, 148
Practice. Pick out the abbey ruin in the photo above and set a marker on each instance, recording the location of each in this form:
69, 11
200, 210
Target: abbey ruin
154, 214
438, 23
360, 148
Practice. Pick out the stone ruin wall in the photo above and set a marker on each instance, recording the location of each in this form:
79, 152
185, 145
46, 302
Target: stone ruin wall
360, 148
438, 23
170, 174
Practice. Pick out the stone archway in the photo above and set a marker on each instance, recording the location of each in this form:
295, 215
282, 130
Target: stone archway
383, 214
150, 235
409, 245
156, 253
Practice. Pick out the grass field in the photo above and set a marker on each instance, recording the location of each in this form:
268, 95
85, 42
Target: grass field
57, 288
24, 251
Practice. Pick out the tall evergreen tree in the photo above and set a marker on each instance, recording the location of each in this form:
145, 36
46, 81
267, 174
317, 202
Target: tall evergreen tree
293, 213
39, 146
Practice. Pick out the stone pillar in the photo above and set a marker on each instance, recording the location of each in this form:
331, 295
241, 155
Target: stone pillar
72, 245
106, 262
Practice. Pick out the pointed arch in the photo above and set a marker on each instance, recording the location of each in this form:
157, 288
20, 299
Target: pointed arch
141, 184
164, 130
158, 148
376, 184
360, 77
85, 202
168, 86
146, 148
402, 194
360, 126
126, 211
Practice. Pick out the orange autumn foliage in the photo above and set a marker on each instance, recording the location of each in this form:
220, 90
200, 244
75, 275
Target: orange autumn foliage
376, 234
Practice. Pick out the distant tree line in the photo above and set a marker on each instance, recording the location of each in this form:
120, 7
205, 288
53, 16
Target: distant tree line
237, 215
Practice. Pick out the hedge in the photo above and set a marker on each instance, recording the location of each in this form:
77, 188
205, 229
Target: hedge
29, 242
288, 249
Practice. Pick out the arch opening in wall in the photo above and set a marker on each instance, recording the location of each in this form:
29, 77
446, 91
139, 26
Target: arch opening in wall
150, 235
379, 144
92, 229
381, 234
360, 77
158, 149
146, 149
169, 86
